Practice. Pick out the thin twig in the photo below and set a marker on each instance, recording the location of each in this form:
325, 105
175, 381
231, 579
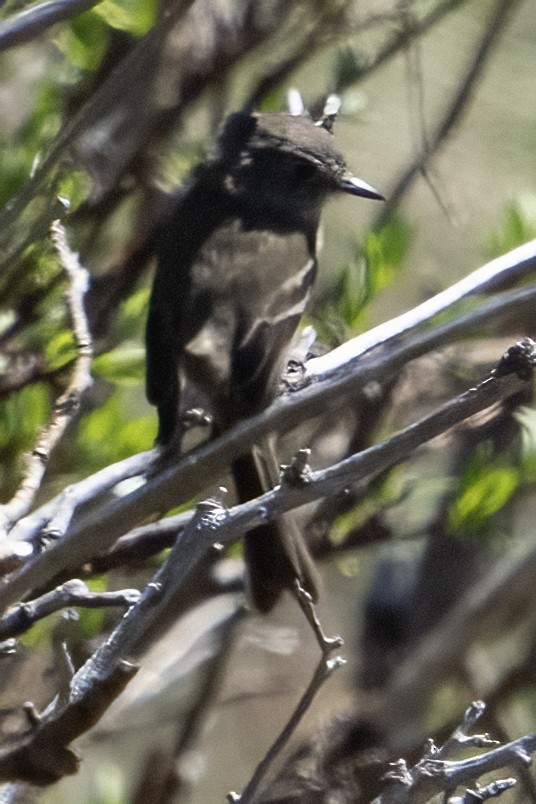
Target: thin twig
480, 794
323, 671
68, 403
51, 520
461, 738
70, 594
458, 106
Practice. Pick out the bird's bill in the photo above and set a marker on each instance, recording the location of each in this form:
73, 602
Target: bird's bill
354, 186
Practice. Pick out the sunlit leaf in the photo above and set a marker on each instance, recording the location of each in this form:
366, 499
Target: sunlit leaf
109, 433
125, 364
517, 226
133, 16
374, 268
485, 492
60, 349
84, 42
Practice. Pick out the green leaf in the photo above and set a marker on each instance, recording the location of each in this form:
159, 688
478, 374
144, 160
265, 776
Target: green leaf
485, 488
19, 154
22, 414
517, 227
73, 189
123, 365
84, 41
136, 17
40, 633
130, 325
385, 252
373, 269
109, 433
60, 349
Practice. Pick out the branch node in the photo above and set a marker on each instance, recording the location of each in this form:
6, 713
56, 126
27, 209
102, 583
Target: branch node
298, 471
32, 715
400, 773
519, 359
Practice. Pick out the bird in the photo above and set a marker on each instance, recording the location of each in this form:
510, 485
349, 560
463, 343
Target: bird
236, 262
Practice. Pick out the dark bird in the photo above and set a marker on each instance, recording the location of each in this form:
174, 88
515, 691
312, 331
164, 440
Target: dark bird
236, 261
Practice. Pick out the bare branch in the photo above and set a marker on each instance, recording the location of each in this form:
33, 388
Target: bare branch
491, 790
72, 593
458, 106
52, 519
27, 24
68, 403
433, 774
41, 756
347, 368
324, 670
431, 777
509, 268
176, 484
182, 480
461, 737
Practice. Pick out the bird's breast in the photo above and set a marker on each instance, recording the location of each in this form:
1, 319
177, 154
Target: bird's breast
246, 280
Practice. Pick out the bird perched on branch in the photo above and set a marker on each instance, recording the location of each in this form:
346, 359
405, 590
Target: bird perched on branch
236, 261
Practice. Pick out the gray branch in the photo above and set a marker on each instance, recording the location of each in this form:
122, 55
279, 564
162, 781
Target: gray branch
68, 403
90, 538
27, 24
344, 371
70, 594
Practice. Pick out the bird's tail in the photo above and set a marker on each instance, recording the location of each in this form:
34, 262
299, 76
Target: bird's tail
276, 554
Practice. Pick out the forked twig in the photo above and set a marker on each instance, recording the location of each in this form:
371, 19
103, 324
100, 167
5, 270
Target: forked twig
323, 671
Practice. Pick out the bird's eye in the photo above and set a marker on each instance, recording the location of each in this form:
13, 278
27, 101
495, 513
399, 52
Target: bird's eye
304, 171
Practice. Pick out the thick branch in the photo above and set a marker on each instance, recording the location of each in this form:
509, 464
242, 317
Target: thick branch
345, 368
505, 270
41, 756
175, 484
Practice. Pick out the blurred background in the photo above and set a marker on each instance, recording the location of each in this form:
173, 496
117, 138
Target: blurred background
102, 114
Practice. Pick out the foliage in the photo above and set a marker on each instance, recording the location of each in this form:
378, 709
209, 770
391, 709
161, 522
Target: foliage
376, 266
127, 101
485, 487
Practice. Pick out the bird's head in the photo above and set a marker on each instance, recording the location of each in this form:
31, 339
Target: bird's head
291, 152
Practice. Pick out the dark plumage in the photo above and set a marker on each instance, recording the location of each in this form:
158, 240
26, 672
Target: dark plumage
236, 260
